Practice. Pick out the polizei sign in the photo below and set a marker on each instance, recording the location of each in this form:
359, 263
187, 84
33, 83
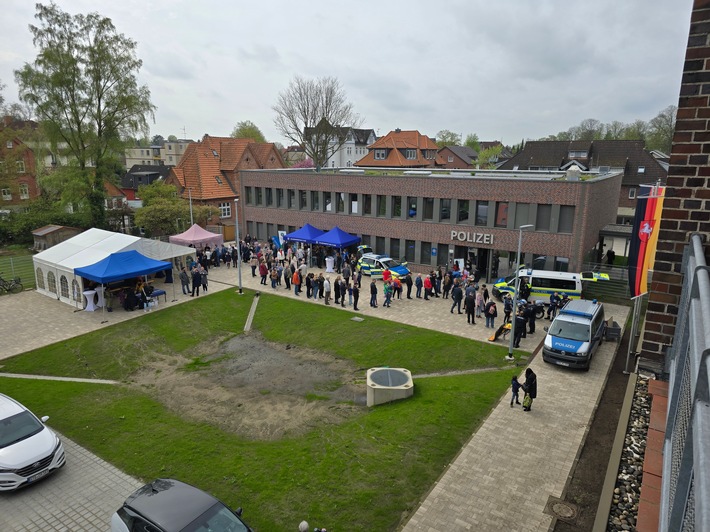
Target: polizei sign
474, 238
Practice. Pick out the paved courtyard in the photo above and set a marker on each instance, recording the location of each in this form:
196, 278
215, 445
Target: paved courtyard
501, 480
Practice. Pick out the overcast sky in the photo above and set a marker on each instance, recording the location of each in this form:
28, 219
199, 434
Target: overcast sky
505, 70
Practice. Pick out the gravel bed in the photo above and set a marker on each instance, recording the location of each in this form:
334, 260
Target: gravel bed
625, 503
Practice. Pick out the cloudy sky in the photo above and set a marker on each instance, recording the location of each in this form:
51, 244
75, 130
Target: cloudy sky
505, 70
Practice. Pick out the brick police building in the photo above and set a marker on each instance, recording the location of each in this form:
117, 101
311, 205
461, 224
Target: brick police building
431, 217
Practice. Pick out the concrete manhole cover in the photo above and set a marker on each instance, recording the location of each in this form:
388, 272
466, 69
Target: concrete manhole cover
562, 510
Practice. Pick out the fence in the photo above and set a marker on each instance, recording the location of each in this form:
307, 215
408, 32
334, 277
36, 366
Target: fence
685, 489
20, 266
615, 290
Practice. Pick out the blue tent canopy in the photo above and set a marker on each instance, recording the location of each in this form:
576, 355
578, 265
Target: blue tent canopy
337, 238
307, 234
123, 265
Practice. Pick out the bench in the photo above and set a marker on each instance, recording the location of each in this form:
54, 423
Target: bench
158, 293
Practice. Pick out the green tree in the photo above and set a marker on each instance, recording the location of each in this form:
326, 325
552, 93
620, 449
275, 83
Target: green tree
248, 130
489, 157
447, 138
161, 210
473, 142
157, 140
314, 114
661, 129
83, 86
614, 130
172, 138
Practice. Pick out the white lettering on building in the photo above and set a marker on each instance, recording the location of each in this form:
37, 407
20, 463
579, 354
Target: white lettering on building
474, 238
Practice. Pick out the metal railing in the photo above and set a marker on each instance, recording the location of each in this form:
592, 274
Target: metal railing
685, 488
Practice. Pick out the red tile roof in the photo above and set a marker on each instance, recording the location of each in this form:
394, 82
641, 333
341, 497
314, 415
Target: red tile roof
395, 142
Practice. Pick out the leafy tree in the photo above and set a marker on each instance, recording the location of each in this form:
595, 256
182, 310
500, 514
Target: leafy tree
637, 130
473, 142
83, 86
447, 138
313, 114
248, 130
661, 129
589, 129
157, 140
614, 130
487, 158
172, 138
162, 208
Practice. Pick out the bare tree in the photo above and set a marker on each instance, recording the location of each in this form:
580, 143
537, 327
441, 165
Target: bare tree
316, 115
662, 127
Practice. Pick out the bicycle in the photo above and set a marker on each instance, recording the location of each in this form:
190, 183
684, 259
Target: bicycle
14, 286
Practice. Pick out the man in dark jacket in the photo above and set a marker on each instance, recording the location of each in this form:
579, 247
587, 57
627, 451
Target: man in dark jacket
470, 307
408, 281
456, 297
196, 281
520, 323
530, 388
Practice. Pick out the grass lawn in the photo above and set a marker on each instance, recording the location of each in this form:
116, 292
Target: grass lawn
364, 474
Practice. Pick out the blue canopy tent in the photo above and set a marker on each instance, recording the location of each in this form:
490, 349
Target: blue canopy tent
337, 238
122, 265
307, 234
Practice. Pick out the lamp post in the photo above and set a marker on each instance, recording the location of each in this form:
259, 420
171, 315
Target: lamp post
239, 244
515, 292
189, 193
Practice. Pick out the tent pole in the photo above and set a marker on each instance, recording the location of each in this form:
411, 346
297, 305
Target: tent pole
174, 298
103, 307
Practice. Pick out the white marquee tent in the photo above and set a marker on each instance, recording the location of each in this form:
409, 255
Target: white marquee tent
54, 267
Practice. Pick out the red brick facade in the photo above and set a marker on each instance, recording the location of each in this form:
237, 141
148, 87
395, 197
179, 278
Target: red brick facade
686, 208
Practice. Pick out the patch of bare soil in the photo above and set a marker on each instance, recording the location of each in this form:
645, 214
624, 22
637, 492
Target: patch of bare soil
258, 389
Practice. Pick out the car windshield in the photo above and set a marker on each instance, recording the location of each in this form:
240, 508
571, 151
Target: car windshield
389, 263
217, 518
570, 330
17, 428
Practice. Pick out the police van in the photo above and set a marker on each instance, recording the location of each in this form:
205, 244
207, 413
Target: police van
575, 334
544, 283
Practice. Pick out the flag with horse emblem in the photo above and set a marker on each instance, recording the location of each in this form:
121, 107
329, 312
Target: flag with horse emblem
644, 237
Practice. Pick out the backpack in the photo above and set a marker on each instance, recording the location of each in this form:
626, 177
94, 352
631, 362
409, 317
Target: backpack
492, 310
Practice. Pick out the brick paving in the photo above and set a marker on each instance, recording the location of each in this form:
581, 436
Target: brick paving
503, 476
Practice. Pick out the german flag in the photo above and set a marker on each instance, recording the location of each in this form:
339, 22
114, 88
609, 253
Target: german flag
644, 237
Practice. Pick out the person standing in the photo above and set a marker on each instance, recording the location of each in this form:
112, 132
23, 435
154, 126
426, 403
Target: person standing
326, 290
387, 290
515, 389
419, 283
447, 286
356, 296
530, 389
287, 278
296, 282
491, 314
321, 285
263, 271
343, 291
456, 297
480, 306
531, 317
203, 278
336, 289
185, 281
470, 306
316, 286
554, 303
408, 281
520, 323
427, 287
373, 294
253, 262
507, 308
196, 281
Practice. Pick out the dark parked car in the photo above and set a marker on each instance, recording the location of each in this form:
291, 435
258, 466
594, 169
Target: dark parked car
167, 505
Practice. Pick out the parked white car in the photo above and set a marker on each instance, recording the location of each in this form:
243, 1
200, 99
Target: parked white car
29, 450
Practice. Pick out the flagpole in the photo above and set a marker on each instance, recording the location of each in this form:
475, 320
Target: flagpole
632, 336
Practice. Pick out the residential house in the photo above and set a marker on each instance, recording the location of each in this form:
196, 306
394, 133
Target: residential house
18, 174
294, 155
504, 155
402, 149
208, 174
353, 143
458, 157
140, 175
168, 154
638, 165
50, 235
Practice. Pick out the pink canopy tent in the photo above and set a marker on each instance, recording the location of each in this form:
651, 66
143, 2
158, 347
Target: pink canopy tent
198, 237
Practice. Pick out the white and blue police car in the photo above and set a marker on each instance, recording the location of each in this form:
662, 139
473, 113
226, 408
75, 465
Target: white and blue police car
575, 334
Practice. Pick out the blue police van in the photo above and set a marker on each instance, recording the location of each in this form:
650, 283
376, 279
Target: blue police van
575, 334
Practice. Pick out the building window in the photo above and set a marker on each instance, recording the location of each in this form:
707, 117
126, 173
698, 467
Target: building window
522, 212
64, 287
328, 201
51, 282
380, 155
381, 205
409, 248
425, 255
566, 219
632, 193
24, 191
444, 209
339, 202
353, 204
225, 209
349, 151
9, 144
380, 245
40, 278
396, 206
269, 197
315, 200
394, 248
302, 199
442, 255
410, 154
481, 213
428, 213
451, 158
258, 195
366, 240
642, 170
463, 211
367, 204
292, 199
6, 194
248, 198
501, 214
279, 197
20, 166
542, 221
411, 207
577, 154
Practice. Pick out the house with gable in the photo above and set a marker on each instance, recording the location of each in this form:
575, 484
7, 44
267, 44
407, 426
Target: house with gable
627, 156
208, 174
458, 157
402, 149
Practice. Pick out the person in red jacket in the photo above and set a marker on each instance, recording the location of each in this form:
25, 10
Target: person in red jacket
427, 288
296, 282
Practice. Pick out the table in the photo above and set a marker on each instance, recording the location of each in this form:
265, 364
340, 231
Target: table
329, 263
89, 295
101, 301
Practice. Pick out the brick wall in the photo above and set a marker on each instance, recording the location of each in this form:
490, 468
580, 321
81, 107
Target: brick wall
686, 208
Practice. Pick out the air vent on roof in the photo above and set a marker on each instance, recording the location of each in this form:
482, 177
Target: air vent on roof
214, 152
218, 179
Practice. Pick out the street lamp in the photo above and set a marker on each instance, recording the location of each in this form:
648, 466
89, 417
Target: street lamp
239, 244
515, 293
